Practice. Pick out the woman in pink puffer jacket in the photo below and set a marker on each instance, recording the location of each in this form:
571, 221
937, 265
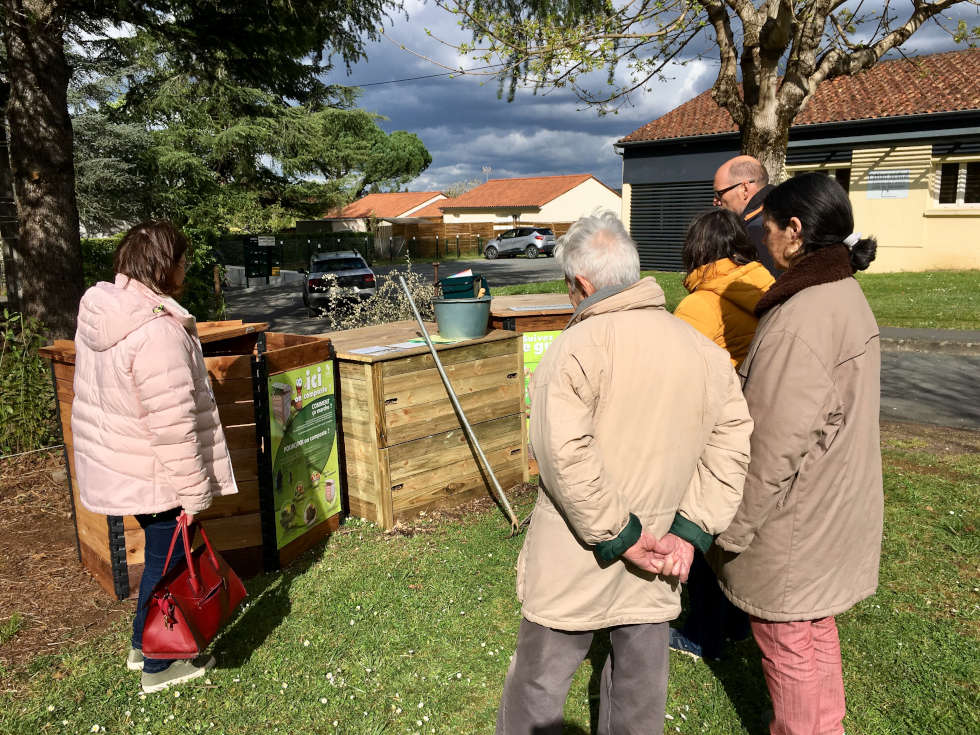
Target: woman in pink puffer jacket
147, 438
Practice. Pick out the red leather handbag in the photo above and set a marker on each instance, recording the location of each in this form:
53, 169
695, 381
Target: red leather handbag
192, 601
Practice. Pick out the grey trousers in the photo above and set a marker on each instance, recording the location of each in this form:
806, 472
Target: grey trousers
633, 689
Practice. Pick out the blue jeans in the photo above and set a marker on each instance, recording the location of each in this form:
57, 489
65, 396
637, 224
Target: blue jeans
158, 529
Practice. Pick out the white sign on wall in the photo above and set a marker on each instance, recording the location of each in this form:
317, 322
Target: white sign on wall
266, 241
888, 183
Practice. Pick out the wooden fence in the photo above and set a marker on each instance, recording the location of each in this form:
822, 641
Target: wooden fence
438, 239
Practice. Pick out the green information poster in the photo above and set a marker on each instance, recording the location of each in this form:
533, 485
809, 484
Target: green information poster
305, 470
535, 345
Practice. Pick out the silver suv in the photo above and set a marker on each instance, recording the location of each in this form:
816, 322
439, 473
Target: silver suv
350, 270
532, 241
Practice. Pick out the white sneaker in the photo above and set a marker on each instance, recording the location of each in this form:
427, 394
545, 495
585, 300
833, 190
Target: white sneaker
177, 673
134, 661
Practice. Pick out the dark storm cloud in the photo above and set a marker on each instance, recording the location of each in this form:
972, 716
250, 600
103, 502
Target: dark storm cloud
466, 127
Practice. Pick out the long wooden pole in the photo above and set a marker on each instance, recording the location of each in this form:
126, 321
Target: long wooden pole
515, 525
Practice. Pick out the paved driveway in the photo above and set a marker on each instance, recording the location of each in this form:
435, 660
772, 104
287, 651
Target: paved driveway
283, 308
931, 388
501, 272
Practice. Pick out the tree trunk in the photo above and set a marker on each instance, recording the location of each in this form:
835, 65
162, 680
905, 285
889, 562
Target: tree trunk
47, 253
765, 136
8, 213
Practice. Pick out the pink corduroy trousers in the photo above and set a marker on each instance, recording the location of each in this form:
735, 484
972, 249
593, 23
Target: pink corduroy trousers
802, 665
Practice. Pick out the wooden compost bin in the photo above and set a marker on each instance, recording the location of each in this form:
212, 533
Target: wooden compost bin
405, 448
536, 312
537, 318
111, 547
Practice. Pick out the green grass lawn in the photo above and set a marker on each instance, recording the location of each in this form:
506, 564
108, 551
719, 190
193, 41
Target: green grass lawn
396, 633
936, 299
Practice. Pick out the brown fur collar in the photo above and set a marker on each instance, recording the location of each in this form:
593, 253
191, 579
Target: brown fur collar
824, 266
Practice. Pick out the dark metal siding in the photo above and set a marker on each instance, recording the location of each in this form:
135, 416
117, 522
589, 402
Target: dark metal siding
659, 217
958, 148
815, 156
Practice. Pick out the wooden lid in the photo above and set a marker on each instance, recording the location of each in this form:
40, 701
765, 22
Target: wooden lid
63, 350
394, 333
213, 331
531, 304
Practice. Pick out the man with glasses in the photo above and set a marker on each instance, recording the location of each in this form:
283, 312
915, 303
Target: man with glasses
741, 185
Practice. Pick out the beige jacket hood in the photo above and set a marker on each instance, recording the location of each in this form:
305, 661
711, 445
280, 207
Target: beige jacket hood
633, 412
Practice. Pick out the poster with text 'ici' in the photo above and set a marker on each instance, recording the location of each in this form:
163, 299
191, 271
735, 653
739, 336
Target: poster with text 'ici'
305, 469
535, 345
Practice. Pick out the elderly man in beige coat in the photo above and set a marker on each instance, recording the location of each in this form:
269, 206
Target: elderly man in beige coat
640, 428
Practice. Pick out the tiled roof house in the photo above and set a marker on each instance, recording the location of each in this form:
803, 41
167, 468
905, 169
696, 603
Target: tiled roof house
390, 205
902, 137
536, 199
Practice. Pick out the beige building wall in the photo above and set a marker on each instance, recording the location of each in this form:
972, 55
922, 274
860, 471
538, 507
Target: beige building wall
624, 213
914, 232
504, 218
584, 199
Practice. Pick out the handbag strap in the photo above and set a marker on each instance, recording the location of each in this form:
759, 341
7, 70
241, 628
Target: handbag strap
207, 543
182, 531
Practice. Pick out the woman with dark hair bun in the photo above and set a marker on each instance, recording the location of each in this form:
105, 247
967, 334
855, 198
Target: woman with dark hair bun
805, 543
725, 282
148, 440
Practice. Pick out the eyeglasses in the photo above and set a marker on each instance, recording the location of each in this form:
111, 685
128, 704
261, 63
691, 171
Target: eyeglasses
719, 193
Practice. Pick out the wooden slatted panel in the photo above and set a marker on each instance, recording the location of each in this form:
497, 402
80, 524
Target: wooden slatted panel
476, 351
424, 386
659, 218
450, 491
434, 453
414, 422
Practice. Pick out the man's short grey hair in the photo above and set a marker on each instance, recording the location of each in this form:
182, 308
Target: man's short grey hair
600, 249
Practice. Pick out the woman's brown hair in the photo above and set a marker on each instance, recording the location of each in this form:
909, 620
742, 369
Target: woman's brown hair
714, 235
150, 253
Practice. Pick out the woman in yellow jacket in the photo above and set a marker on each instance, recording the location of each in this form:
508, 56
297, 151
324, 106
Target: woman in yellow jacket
725, 283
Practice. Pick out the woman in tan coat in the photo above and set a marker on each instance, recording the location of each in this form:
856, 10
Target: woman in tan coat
726, 283
805, 543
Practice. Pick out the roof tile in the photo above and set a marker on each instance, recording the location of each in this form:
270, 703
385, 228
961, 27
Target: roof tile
526, 192
925, 84
384, 205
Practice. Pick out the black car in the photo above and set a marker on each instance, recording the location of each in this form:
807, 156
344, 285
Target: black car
350, 270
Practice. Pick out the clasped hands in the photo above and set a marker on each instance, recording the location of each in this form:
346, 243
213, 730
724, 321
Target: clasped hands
670, 556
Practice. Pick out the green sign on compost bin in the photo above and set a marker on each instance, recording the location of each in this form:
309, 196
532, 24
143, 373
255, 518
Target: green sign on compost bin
305, 471
535, 345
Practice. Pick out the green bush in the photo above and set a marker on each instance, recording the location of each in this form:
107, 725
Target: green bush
28, 419
198, 297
